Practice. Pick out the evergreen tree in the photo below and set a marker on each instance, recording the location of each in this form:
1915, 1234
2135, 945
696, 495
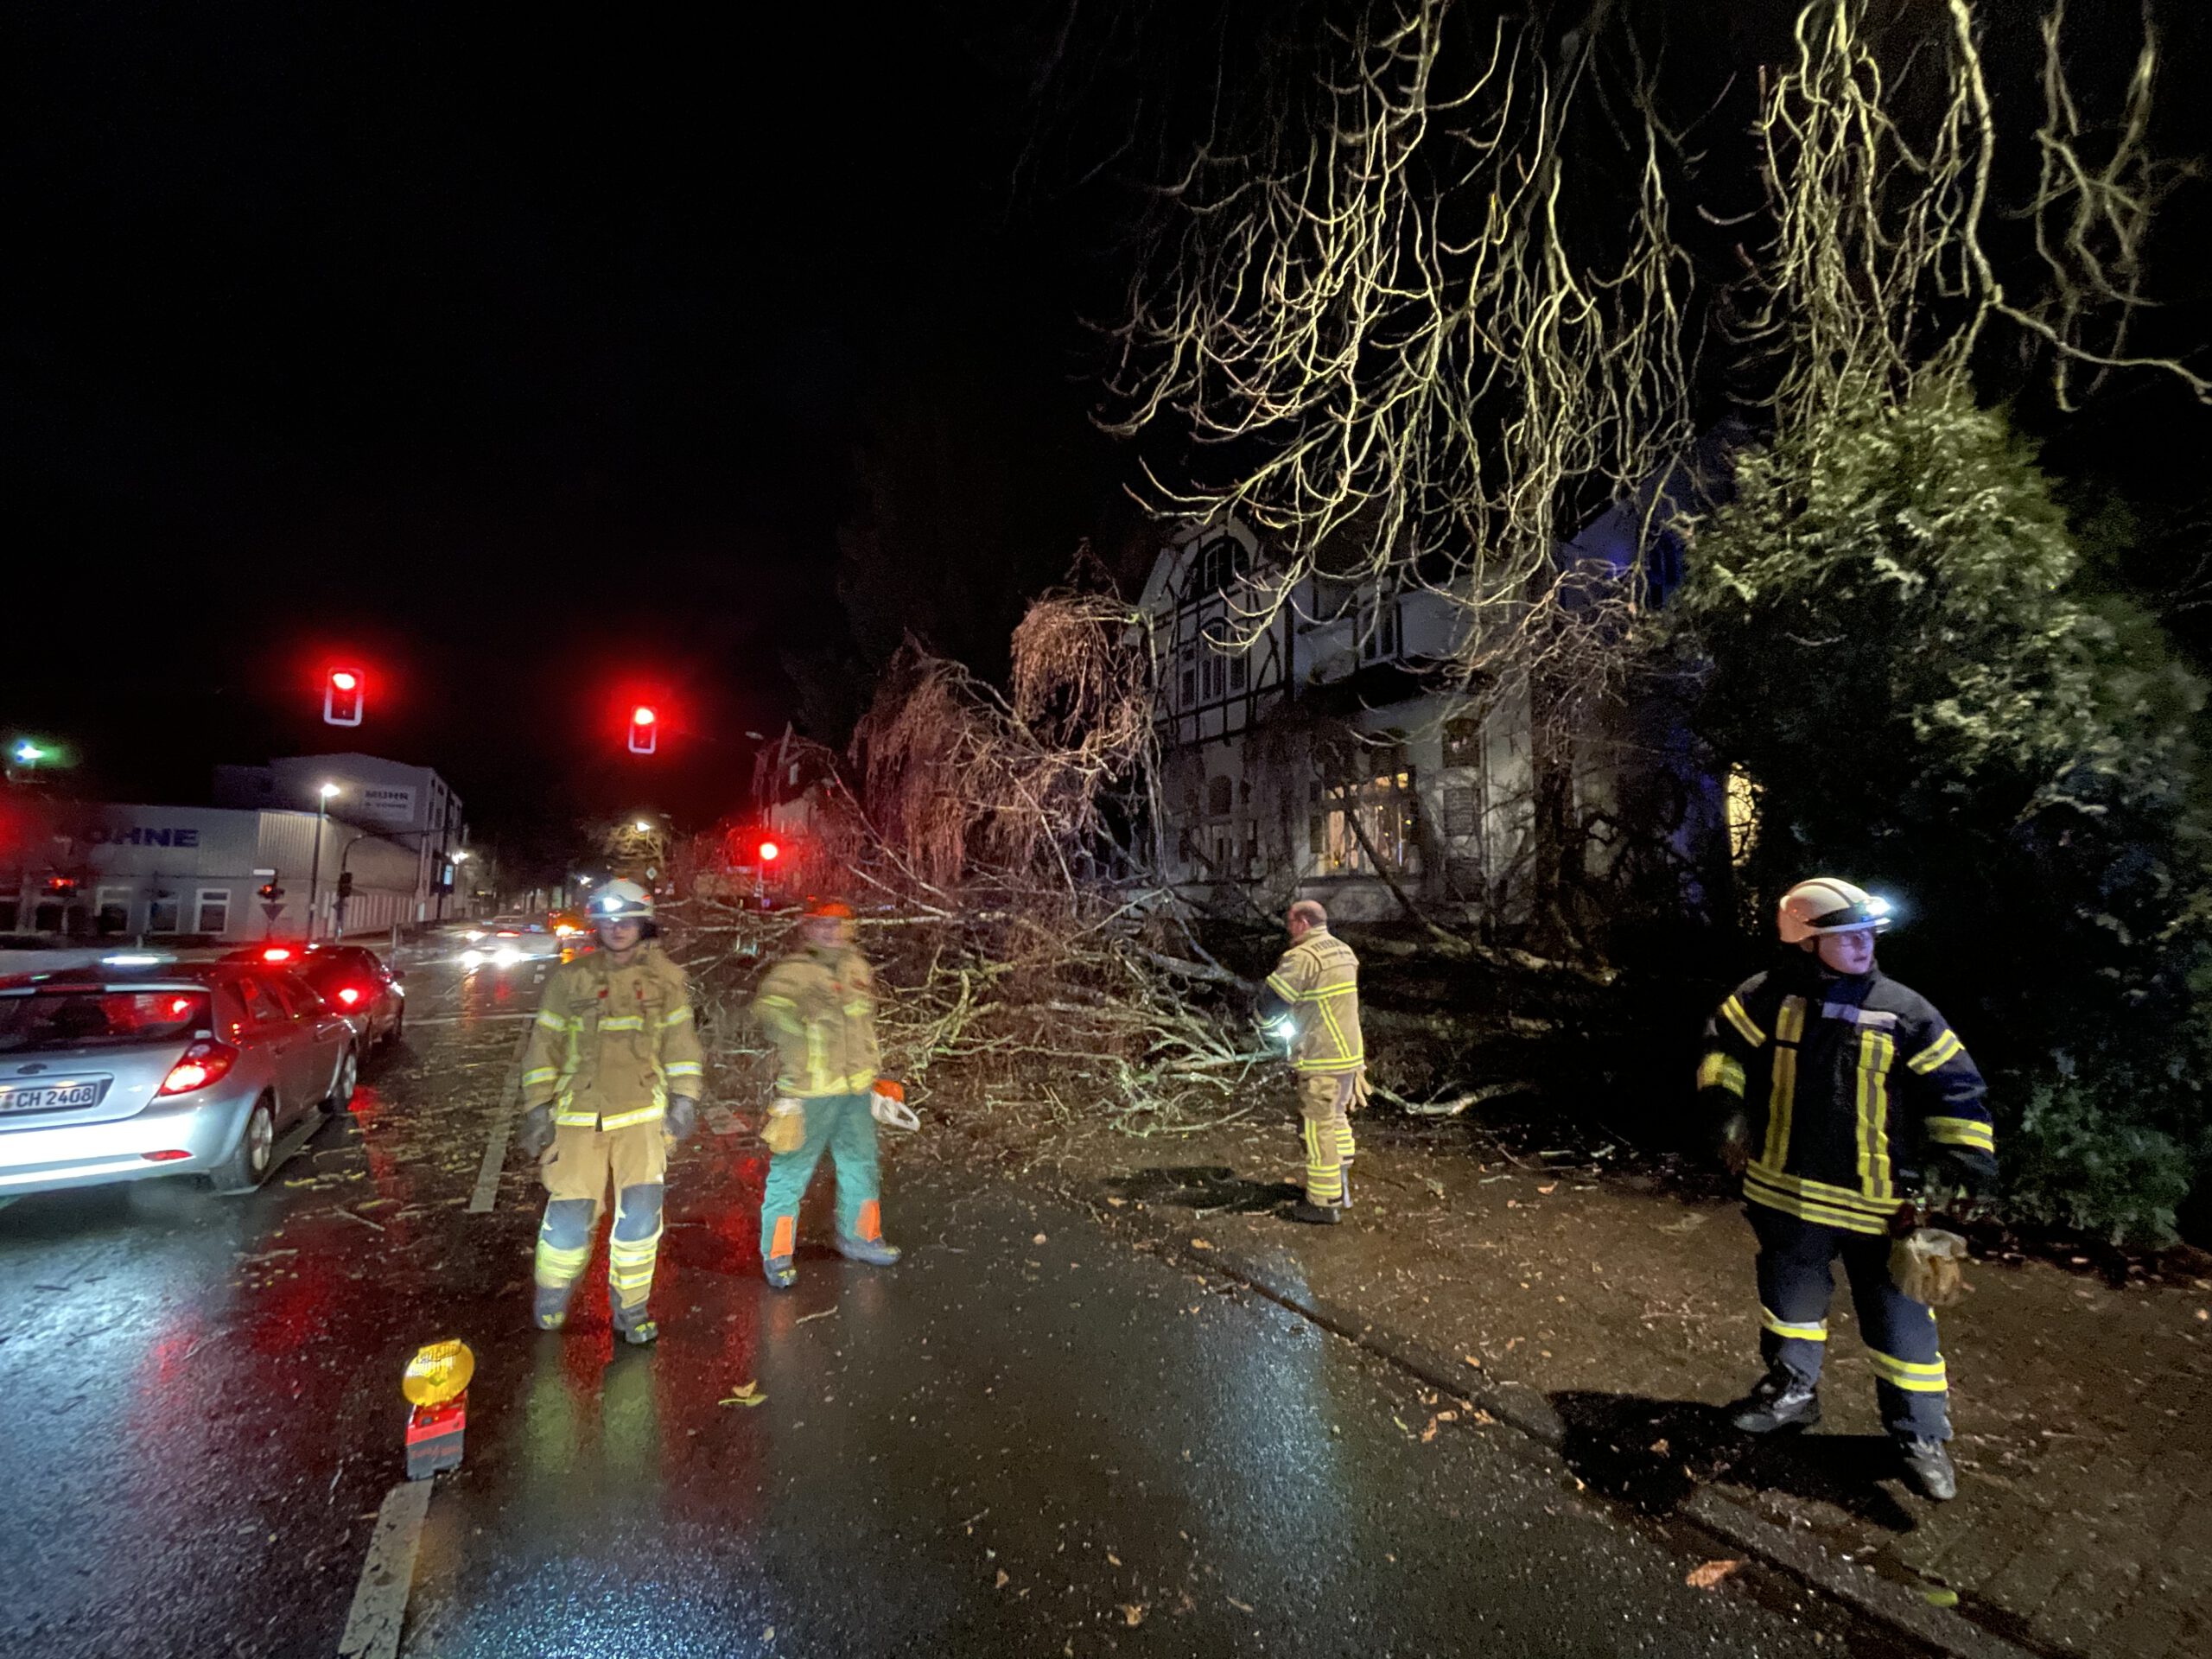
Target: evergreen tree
1896, 641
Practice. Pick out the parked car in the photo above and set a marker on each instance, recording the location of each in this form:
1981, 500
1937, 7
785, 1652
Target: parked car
361, 985
117, 1073
352, 978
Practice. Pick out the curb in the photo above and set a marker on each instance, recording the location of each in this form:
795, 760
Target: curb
1528, 1410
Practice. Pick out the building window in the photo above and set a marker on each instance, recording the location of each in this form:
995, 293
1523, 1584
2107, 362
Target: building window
1460, 818
1378, 627
112, 911
1384, 810
10, 909
1216, 676
1187, 661
1219, 564
1218, 797
1743, 815
1240, 671
1463, 741
161, 913
214, 911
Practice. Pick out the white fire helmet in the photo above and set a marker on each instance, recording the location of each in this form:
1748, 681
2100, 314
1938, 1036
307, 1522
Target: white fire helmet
619, 901
1825, 905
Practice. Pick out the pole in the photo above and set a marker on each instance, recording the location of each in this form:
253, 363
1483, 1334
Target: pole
315, 865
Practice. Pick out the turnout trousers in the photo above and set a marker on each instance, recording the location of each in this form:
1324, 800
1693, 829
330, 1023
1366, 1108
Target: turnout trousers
844, 1127
1325, 1104
1795, 1278
578, 1170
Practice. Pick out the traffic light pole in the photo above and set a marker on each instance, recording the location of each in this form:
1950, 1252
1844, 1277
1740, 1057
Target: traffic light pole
315, 864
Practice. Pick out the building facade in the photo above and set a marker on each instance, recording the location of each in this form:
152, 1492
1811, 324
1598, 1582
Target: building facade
411, 807
1319, 746
151, 873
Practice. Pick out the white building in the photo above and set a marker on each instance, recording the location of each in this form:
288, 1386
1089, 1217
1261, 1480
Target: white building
154, 873
411, 806
1323, 755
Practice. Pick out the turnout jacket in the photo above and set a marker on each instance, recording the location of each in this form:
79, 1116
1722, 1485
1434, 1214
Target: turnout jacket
1854, 1088
819, 1006
1317, 984
612, 1045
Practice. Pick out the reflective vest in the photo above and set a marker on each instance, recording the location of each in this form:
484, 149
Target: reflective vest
1852, 1087
612, 1045
819, 1007
1317, 980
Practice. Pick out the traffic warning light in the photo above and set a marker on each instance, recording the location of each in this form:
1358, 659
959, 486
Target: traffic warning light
644, 729
344, 695
770, 852
344, 883
270, 891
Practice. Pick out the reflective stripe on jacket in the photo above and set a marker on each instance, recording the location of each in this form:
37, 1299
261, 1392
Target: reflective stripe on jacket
611, 1044
1317, 980
1853, 1088
819, 1006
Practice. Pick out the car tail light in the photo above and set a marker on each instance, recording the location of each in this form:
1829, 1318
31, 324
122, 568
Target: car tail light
349, 995
205, 1062
277, 953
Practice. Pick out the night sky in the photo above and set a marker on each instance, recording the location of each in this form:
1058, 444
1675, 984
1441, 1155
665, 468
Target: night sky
543, 363
539, 366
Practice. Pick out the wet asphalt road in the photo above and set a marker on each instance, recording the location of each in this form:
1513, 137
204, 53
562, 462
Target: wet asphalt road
1028, 1438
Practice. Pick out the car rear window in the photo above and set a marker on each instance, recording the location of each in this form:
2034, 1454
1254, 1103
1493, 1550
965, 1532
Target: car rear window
89, 1018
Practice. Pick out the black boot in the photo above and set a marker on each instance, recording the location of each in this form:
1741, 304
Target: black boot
1780, 1400
1321, 1215
1929, 1466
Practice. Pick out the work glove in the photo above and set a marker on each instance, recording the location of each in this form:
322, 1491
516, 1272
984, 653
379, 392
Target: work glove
535, 1133
683, 1117
1736, 1144
785, 1130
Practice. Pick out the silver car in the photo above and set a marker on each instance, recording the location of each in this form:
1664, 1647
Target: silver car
132, 1069
509, 942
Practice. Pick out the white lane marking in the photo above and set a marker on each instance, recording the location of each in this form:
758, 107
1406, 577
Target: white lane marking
486, 1194
380, 1599
468, 1018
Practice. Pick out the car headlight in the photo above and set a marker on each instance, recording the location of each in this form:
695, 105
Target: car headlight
472, 959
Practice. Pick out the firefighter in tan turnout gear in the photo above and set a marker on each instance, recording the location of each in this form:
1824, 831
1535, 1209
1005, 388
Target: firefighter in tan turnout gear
614, 1069
819, 1006
1311, 1003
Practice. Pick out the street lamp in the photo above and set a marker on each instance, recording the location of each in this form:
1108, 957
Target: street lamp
315, 865
644, 827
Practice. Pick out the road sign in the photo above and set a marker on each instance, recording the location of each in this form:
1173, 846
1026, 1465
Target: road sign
272, 912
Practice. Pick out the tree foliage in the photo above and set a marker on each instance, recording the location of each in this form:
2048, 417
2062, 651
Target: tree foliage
1895, 638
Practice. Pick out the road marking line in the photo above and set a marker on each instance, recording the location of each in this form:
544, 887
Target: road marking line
486, 1194
467, 1018
380, 1599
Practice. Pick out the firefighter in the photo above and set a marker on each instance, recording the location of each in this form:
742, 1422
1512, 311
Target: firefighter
819, 1006
1310, 1002
612, 1071
1846, 1100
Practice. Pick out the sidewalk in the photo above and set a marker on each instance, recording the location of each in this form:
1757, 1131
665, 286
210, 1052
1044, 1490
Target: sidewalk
1619, 1314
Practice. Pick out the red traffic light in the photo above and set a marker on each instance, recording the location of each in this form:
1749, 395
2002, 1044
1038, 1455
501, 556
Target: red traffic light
644, 729
345, 696
770, 852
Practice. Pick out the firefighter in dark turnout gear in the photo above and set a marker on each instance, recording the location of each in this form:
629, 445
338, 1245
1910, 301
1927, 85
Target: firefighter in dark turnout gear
1846, 1099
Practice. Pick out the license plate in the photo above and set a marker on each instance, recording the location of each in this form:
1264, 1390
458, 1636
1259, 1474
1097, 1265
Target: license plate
48, 1097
